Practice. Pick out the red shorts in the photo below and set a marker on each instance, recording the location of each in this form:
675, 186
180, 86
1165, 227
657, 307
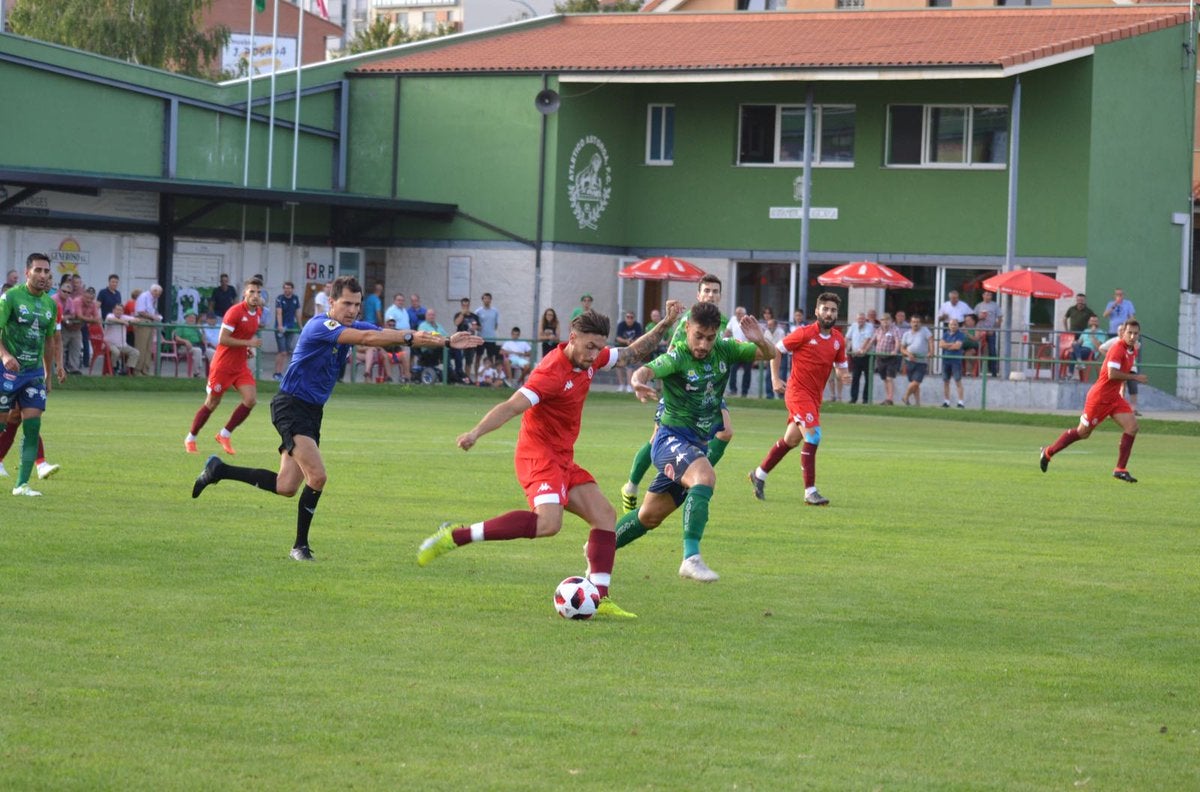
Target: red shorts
1096, 410
804, 413
223, 379
549, 479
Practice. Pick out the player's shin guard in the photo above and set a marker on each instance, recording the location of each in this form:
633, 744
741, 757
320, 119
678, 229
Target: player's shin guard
630, 528
256, 477
305, 509
716, 450
512, 525
641, 463
775, 455
1124, 450
695, 518
601, 548
200, 419
808, 464
1064, 440
240, 413
29, 443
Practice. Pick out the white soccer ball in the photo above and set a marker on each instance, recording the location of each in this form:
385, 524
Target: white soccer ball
576, 598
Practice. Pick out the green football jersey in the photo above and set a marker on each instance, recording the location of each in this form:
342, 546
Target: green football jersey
26, 322
693, 389
679, 331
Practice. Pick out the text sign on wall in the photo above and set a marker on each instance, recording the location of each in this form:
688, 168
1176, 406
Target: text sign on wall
793, 213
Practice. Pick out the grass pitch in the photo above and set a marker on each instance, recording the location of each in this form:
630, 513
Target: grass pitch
954, 620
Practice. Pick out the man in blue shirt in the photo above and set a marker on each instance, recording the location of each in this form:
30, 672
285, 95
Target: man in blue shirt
1119, 311
297, 409
287, 326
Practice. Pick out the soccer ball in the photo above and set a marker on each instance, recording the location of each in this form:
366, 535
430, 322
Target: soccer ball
576, 598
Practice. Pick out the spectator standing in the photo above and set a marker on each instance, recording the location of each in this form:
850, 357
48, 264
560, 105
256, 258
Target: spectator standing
373, 305
12, 279
585, 304
987, 319
144, 333
548, 330
858, 342
89, 314
914, 346
287, 326
223, 297
110, 295
489, 324
951, 346
886, 344
733, 329
396, 317
773, 333
1118, 311
321, 300
72, 328
466, 362
954, 308
416, 311
628, 331
1075, 320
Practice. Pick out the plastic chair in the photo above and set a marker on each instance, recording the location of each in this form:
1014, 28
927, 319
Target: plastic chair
100, 350
1044, 356
169, 349
1066, 343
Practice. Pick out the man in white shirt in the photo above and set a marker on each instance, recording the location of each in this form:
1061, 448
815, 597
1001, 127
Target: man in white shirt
115, 325
515, 353
734, 330
954, 308
146, 310
858, 338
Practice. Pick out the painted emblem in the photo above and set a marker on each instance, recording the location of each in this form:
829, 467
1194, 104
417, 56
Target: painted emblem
589, 181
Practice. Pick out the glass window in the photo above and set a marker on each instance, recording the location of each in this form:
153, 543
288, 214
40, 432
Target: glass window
791, 134
774, 135
989, 135
904, 134
660, 134
757, 137
947, 135
837, 133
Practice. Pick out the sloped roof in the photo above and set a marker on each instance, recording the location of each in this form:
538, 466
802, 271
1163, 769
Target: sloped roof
1000, 40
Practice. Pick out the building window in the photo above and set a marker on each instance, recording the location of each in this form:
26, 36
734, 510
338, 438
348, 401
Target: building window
774, 135
660, 134
1022, 2
849, 4
428, 21
939, 3
947, 136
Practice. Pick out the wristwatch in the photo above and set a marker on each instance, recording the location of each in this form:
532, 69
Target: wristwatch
447, 344
408, 339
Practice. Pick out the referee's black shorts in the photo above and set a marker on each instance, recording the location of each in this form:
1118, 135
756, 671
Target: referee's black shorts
293, 417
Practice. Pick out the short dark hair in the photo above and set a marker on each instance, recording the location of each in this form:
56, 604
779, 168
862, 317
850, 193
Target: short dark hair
346, 283
1132, 323
254, 281
515, 330
706, 315
709, 278
591, 322
486, 294
289, 283
114, 275
829, 297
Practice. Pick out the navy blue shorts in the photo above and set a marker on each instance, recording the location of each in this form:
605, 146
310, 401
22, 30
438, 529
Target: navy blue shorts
22, 389
672, 454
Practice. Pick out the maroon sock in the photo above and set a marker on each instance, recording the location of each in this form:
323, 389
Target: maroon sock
1125, 448
200, 419
240, 413
1064, 440
808, 464
775, 455
7, 437
513, 525
601, 550
41, 457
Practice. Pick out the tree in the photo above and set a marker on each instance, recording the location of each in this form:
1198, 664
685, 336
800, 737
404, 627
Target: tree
165, 34
380, 35
596, 6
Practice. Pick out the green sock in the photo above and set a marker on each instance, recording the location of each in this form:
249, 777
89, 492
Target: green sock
695, 517
641, 463
630, 528
716, 450
32, 428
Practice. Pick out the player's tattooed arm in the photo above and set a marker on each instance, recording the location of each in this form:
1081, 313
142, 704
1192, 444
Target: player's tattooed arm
641, 349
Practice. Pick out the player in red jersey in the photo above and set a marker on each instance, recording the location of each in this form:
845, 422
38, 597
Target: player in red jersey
550, 404
1104, 400
229, 369
816, 348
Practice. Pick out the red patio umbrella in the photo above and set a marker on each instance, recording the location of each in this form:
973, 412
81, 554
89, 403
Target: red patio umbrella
865, 273
1027, 283
662, 268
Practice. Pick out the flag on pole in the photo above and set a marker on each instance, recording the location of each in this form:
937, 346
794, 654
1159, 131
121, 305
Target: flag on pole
322, 9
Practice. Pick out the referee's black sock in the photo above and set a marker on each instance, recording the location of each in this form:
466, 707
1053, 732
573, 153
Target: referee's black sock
255, 477
304, 514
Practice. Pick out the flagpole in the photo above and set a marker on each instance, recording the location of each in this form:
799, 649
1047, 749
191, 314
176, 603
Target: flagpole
296, 116
249, 100
274, 69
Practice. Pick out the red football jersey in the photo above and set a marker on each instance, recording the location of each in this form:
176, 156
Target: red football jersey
557, 390
242, 323
813, 357
1120, 357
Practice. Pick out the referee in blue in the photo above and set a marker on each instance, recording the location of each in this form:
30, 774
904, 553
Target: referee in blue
296, 410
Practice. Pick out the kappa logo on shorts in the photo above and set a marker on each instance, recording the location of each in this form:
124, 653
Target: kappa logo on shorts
544, 488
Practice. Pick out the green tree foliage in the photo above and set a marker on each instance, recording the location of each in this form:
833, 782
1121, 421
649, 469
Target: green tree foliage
165, 34
596, 6
380, 35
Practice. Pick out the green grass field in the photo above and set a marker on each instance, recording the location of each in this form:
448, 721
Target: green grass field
956, 620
